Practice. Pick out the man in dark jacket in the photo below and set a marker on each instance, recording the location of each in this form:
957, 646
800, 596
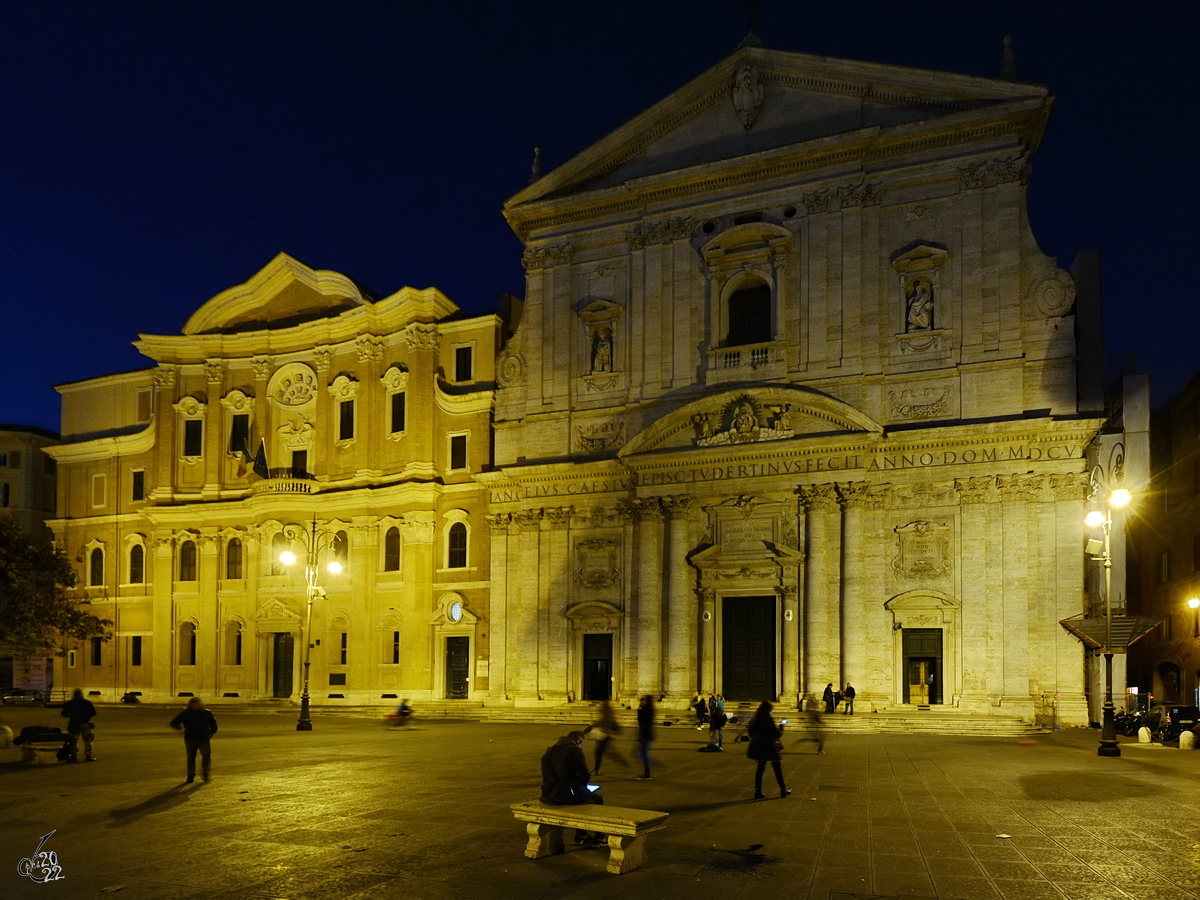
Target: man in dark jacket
848, 697
565, 776
79, 712
198, 727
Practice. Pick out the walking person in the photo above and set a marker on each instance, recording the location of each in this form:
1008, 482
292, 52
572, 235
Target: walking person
764, 747
606, 728
701, 706
79, 712
198, 727
565, 780
829, 697
716, 727
848, 697
645, 720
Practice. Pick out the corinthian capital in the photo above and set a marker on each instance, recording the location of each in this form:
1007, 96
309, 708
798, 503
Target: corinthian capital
818, 497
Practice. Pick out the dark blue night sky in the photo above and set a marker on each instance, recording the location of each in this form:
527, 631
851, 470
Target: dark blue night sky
153, 154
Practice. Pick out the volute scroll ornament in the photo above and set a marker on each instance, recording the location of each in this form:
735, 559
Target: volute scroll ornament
980, 489
499, 523
214, 371
419, 336
558, 517
818, 497
1054, 295
164, 377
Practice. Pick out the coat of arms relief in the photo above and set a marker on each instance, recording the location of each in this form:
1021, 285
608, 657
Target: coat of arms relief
924, 551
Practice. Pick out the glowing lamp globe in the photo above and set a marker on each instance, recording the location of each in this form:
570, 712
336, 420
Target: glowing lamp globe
1120, 497
1094, 519
334, 566
287, 557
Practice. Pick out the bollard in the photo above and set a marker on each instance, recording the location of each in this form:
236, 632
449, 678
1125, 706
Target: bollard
5, 737
1187, 740
1143, 735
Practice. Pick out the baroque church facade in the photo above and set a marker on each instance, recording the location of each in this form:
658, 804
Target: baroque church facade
793, 398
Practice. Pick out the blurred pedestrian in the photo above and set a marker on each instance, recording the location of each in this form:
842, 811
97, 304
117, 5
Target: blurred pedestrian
79, 712
198, 727
829, 698
764, 747
403, 714
605, 729
645, 720
848, 697
565, 780
700, 705
716, 727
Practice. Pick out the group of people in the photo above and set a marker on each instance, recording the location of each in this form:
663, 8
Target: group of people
833, 699
197, 724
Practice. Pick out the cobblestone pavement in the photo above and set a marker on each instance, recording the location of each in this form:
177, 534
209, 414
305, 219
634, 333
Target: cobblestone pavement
352, 810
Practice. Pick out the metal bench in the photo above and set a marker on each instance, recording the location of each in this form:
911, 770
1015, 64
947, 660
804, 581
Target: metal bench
42, 753
626, 830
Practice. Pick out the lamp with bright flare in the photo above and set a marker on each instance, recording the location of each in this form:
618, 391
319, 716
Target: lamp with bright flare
1119, 498
1094, 519
287, 557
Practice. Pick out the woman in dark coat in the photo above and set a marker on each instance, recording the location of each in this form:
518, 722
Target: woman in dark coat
764, 746
829, 698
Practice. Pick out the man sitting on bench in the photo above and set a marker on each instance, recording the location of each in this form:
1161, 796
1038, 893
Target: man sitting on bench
565, 781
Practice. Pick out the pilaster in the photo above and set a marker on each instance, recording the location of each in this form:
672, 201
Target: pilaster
822, 590
650, 595
680, 666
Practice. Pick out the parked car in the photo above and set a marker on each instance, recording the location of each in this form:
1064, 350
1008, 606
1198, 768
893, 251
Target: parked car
21, 697
1167, 721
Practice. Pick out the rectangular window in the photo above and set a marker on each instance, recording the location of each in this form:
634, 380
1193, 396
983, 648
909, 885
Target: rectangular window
239, 432
1166, 627
193, 437
237, 648
135, 651
71, 659
143, 405
395, 648
49, 465
462, 363
397, 412
97, 651
344, 647
346, 420
458, 451
3, 459
99, 490
139, 484
14, 459
4, 495
1164, 567
299, 463
337, 677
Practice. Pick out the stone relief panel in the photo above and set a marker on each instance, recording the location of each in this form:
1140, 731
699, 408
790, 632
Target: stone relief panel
743, 420
293, 386
597, 563
599, 436
919, 403
924, 551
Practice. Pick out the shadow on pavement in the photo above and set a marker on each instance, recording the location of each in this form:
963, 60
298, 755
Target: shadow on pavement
1084, 787
158, 803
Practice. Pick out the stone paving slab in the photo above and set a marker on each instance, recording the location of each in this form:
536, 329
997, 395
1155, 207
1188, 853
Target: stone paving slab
353, 810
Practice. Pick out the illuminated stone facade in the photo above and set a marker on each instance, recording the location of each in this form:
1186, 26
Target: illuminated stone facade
794, 401
374, 415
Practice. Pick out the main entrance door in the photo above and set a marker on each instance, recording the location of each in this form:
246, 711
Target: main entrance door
458, 667
281, 664
597, 666
748, 648
922, 666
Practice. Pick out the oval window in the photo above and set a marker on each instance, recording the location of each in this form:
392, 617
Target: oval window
456, 611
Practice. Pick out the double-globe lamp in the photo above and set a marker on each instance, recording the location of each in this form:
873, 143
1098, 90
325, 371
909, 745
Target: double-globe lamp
1118, 499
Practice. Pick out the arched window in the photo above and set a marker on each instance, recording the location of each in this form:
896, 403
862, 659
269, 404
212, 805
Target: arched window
96, 567
456, 554
749, 315
391, 550
233, 559
233, 643
279, 543
341, 548
187, 644
187, 561
137, 564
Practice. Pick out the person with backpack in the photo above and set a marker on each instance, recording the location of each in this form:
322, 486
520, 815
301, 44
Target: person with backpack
79, 712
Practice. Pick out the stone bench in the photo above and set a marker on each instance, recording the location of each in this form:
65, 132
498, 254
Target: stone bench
626, 830
42, 753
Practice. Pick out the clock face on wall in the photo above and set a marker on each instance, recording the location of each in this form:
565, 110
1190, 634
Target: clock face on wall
456, 611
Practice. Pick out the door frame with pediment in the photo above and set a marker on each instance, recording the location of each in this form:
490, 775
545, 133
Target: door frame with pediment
444, 626
923, 608
276, 617
594, 617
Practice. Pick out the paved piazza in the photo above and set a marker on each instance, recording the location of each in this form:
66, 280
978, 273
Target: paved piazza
352, 810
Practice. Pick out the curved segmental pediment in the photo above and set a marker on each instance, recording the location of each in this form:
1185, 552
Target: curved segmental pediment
748, 416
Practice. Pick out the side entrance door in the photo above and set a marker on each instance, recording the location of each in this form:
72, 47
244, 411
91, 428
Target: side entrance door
281, 667
597, 666
458, 667
922, 666
748, 648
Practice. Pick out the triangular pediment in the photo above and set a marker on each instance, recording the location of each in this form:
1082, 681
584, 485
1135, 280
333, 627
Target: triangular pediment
751, 415
283, 293
758, 100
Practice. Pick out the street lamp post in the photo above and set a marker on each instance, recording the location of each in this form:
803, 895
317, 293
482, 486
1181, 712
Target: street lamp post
1194, 606
312, 547
1097, 519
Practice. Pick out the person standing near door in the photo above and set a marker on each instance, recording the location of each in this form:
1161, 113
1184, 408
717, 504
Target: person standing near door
764, 747
830, 698
606, 728
848, 697
198, 726
645, 720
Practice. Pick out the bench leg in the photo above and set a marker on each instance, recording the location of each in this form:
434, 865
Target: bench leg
544, 840
626, 853
27, 756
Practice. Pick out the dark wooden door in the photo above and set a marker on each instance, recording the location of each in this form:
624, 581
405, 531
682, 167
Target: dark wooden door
458, 667
922, 665
748, 648
281, 669
597, 667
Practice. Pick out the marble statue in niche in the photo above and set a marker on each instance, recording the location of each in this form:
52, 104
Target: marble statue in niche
602, 351
919, 302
